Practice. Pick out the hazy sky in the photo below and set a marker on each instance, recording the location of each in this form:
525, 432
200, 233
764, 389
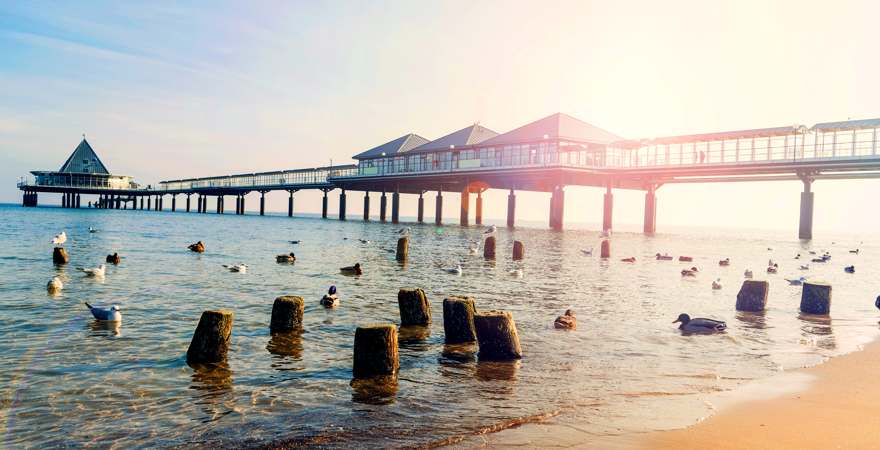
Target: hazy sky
167, 91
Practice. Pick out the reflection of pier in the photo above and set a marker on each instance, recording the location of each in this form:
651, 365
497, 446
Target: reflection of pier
546, 155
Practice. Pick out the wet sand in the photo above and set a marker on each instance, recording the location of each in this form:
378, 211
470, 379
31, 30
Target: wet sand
832, 405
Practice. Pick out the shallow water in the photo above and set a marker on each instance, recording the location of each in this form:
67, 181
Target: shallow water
67, 380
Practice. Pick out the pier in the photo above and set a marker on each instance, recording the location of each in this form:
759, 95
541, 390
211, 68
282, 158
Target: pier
544, 156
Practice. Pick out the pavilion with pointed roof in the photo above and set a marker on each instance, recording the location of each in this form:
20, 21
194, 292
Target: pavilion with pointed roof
83, 169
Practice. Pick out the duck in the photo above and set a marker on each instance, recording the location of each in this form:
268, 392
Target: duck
92, 230
60, 238
812, 252
724, 262
352, 270
716, 284
330, 299
850, 269
856, 251
699, 324
772, 269
516, 273
295, 242
804, 267
664, 257
796, 281
106, 315
364, 241
114, 258
688, 273
877, 302
566, 321
748, 273
288, 258
97, 272
198, 247
587, 251
238, 268
631, 259
454, 270
798, 256
686, 258
55, 285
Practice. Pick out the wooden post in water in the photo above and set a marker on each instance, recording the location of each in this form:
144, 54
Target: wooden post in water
375, 351
210, 342
287, 314
458, 319
60, 256
816, 298
489, 248
402, 249
752, 296
414, 307
497, 336
519, 250
606, 249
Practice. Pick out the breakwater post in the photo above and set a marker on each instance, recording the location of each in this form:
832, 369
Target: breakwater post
287, 314
458, 319
497, 336
210, 342
375, 351
414, 307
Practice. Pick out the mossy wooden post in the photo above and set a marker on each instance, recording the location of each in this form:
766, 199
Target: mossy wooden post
519, 250
496, 334
287, 314
375, 351
414, 307
606, 249
458, 320
60, 256
489, 248
402, 249
752, 296
211, 340
816, 298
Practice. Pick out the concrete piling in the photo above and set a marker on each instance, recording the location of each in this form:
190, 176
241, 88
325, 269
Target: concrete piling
489, 248
458, 319
752, 296
816, 298
287, 314
414, 307
605, 251
375, 351
497, 336
518, 250
402, 249
60, 256
210, 342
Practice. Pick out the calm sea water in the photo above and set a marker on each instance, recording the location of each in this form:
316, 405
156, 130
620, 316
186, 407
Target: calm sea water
68, 380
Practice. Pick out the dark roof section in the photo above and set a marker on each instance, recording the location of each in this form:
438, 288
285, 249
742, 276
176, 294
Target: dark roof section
470, 135
556, 126
846, 125
402, 144
84, 160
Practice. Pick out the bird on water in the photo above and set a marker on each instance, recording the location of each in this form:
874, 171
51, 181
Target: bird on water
55, 285
330, 299
352, 270
97, 272
699, 324
60, 239
107, 315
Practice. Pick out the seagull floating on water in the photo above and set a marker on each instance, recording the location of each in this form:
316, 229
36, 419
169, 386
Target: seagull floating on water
491, 229
404, 231
796, 281
107, 315
454, 270
239, 268
699, 324
60, 239
55, 285
716, 284
588, 251
97, 272
748, 273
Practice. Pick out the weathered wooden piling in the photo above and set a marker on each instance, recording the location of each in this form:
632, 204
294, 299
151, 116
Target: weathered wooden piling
60, 256
816, 298
402, 249
414, 307
497, 336
375, 351
287, 314
519, 250
605, 251
210, 342
458, 319
752, 296
489, 248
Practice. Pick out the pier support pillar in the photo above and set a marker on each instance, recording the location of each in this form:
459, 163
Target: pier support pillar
342, 205
557, 208
511, 209
438, 209
199, 204
651, 210
806, 223
142, 203
421, 215
479, 218
608, 209
187, 202
383, 206
161, 203
395, 206
173, 203
243, 198
219, 204
367, 206
290, 204
465, 206
263, 204
324, 206
64, 200
237, 204
77, 201
149, 203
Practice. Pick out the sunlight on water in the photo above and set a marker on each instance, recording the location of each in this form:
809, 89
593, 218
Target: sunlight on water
67, 380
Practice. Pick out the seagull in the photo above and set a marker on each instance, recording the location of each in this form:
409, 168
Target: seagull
856, 251
364, 241
454, 270
587, 252
748, 273
716, 284
240, 267
55, 285
796, 281
473, 249
106, 315
805, 267
516, 273
491, 229
97, 272
404, 231
92, 230
60, 239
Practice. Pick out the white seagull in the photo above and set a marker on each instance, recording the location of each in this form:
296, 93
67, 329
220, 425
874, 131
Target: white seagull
106, 315
588, 252
716, 284
516, 273
796, 281
454, 270
97, 272
60, 239
491, 229
404, 231
55, 285
239, 268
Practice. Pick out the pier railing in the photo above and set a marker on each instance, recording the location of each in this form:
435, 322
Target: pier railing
75, 183
264, 180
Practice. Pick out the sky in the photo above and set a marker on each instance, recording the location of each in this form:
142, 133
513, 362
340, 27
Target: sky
167, 90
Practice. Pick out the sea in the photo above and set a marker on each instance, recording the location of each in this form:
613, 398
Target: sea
67, 380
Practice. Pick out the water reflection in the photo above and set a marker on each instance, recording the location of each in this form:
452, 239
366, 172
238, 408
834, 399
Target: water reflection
413, 337
818, 331
374, 391
460, 352
286, 345
104, 328
756, 320
213, 393
497, 370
